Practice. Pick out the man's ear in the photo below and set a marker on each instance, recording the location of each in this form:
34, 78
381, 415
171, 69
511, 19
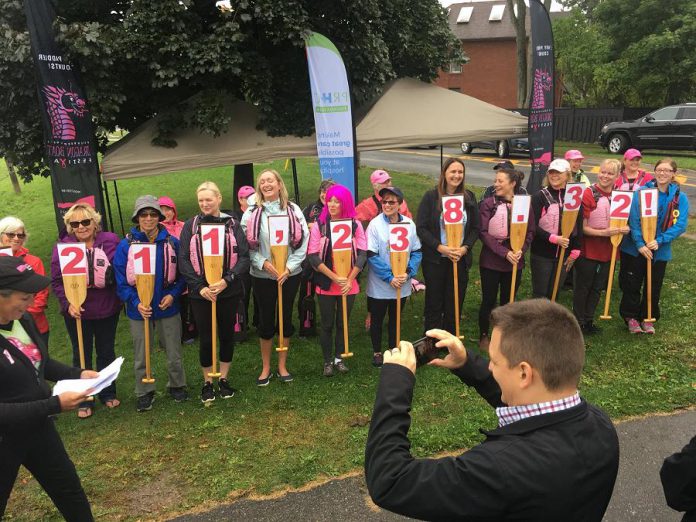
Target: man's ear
527, 375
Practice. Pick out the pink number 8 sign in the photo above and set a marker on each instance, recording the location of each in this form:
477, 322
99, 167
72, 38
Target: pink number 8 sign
453, 209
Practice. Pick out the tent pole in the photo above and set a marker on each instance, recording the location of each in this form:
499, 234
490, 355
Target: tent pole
442, 156
105, 188
120, 215
294, 180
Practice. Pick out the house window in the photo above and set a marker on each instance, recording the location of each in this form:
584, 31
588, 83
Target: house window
497, 13
455, 68
465, 15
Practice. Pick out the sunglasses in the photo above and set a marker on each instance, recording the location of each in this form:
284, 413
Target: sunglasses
84, 223
390, 202
13, 235
151, 214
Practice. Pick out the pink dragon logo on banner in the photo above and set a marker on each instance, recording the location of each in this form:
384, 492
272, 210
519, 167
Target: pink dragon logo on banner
62, 107
542, 83
544, 159
87, 199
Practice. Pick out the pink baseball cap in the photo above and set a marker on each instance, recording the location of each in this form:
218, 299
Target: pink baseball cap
245, 191
574, 154
379, 176
632, 153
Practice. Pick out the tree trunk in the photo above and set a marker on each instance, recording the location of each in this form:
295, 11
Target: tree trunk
518, 21
13, 176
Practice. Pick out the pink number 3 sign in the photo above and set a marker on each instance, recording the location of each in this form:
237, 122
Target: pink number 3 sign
398, 237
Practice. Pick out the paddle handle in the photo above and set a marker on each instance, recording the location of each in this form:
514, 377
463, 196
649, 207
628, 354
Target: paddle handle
455, 280
80, 342
610, 283
148, 370
512, 283
214, 326
398, 317
344, 310
281, 339
650, 318
557, 279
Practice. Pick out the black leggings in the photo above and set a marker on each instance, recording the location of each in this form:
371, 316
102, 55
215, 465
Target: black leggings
633, 280
379, 308
203, 313
41, 451
266, 292
439, 293
493, 282
591, 278
331, 310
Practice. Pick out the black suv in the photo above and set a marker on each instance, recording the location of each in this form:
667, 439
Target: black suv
669, 128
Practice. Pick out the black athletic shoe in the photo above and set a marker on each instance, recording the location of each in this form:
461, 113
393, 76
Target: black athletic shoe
179, 394
145, 401
207, 392
225, 390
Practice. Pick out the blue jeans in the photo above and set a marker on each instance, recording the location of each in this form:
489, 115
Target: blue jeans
100, 334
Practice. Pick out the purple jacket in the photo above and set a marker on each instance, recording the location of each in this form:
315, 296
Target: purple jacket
101, 302
494, 251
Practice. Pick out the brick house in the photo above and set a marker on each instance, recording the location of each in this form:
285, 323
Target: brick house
487, 34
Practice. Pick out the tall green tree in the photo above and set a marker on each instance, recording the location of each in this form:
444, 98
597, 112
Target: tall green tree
183, 59
645, 58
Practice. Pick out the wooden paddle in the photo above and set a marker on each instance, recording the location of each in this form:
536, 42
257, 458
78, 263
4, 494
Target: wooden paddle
342, 252
618, 217
143, 256
453, 219
73, 267
399, 248
518, 231
213, 241
648, 226
278, 229
571, 206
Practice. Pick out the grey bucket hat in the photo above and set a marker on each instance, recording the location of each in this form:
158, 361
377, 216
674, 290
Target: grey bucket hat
144, 202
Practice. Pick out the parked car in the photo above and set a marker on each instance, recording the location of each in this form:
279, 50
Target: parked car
668, 128
502, 148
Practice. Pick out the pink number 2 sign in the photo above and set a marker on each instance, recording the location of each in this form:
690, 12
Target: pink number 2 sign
341, 234
621, 204
72, 258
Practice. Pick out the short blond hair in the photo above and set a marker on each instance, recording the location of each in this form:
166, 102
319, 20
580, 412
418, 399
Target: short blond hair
86, 209
12, 224
283, 196
612, 164
211, 186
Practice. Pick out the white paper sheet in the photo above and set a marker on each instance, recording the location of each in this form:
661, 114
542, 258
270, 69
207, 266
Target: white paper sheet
106, 377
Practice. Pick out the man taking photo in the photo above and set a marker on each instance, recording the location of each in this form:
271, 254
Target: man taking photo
553, 456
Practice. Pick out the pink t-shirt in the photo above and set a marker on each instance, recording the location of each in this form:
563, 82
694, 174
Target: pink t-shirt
314, 247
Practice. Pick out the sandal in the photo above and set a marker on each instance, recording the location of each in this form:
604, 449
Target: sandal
112, 403
84, 413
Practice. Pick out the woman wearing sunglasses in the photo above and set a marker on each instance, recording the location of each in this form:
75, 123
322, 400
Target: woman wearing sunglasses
99, 313
13, 234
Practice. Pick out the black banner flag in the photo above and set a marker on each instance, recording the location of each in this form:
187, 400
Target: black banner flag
69, 142
540, 120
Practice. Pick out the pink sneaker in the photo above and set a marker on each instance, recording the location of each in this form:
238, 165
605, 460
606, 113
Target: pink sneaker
647, 327
634, 327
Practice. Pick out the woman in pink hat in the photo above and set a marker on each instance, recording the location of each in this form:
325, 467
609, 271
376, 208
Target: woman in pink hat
575, 157
632, 177
241, 320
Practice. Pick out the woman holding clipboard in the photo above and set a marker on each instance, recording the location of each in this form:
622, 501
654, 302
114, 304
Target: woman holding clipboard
438, 256
329, 285
272, 200
497, 257
672, 215
226, 292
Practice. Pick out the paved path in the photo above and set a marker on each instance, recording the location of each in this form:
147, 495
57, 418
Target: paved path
637, 495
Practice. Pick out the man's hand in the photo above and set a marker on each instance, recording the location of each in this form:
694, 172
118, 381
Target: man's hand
71, 400
456, 358
405, 355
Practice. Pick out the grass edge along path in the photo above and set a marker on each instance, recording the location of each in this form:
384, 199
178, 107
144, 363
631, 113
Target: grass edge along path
181, 457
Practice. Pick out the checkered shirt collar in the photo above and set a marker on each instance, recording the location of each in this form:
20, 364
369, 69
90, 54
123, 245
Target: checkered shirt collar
509, 414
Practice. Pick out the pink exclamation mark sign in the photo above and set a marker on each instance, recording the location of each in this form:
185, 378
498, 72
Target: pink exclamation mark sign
648, 203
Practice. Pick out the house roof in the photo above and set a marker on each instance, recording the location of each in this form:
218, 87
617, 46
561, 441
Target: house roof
479, 27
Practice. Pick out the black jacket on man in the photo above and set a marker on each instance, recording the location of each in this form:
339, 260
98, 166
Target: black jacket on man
556, 466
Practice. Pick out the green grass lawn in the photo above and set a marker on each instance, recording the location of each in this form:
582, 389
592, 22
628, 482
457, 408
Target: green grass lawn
183, 456
684, 159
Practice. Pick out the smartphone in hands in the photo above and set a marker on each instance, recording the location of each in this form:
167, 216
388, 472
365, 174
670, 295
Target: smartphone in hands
426, 350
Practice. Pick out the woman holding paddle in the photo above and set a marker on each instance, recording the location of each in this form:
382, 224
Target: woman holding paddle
497, 257
330, 286
224, 294
100, 312
672, 216
285, 247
